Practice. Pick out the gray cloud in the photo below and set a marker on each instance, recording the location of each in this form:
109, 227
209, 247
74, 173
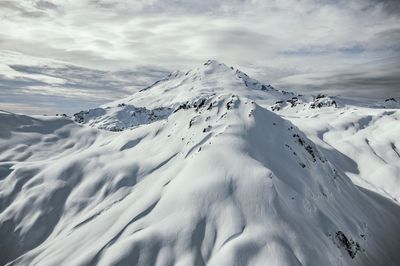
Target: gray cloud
376, 80
17, 9
310, 50
336, 45
390, 6
42, 4
63, 88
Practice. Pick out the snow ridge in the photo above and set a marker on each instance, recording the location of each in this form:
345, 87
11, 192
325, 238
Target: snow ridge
215, 179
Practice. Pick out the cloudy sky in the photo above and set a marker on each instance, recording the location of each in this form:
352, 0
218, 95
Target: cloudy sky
67, 55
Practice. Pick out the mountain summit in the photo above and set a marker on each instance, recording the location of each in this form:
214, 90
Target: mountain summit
210, 78
179, 88
207, 176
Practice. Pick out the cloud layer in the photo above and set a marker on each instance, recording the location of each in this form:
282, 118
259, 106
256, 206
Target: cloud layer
348, 47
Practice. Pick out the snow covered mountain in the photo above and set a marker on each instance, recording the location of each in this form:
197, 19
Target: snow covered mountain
204, 169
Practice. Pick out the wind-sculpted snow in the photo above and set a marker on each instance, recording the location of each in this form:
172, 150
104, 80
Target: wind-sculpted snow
221, 180
366, 139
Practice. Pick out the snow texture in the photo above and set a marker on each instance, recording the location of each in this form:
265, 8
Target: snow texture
207, 174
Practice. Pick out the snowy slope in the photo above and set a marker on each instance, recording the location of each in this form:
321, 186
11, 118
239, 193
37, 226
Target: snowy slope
337, 123
364, 142
220, 180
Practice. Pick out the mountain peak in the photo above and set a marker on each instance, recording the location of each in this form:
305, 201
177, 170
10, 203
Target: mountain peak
210, 67
211, 78
213, 66
216, 64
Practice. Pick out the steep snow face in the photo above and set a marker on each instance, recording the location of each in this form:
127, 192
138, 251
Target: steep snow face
225, 182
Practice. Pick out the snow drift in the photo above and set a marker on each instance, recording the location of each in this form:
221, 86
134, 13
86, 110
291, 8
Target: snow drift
220, 180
